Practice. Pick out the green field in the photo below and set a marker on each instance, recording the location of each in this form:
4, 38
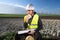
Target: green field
22, 15
12, 15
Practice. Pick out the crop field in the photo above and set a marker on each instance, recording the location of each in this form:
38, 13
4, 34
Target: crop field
22, 15
12, 15
15, 20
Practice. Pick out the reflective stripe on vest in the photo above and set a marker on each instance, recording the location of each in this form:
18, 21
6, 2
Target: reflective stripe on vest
24, 18
34, 23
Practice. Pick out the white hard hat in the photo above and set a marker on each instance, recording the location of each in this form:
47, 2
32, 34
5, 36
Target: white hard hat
29, 7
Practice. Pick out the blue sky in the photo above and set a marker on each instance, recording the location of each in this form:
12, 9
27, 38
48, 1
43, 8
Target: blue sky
41, 6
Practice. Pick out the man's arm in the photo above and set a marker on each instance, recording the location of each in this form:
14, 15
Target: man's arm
25, 25
40, 26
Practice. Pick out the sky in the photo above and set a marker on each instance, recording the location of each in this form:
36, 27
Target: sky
41, 6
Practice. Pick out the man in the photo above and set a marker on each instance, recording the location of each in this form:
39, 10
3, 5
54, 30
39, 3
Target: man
32, 21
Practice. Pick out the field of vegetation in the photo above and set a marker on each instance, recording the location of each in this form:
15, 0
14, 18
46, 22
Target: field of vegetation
22, 15
11, 35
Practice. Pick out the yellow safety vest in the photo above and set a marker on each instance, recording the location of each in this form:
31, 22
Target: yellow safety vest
34, 22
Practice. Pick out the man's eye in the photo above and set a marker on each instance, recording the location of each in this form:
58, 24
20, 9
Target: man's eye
28, 10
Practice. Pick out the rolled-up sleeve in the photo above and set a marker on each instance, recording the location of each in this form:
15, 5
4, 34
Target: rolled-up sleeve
25, 25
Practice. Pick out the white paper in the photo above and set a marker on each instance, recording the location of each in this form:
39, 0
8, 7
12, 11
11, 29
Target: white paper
24, 31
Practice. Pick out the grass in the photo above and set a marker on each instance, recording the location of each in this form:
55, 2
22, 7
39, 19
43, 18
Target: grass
49, 14
22, 15
8, 36
12, 15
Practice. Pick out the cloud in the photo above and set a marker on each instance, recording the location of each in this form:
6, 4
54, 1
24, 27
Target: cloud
6, 8
44, 10
56, 10
49, 10
10, 4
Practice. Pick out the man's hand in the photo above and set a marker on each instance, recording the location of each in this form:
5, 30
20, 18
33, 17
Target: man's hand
31, 32
28, 17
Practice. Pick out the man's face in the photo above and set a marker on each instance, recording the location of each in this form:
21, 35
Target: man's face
30, 12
